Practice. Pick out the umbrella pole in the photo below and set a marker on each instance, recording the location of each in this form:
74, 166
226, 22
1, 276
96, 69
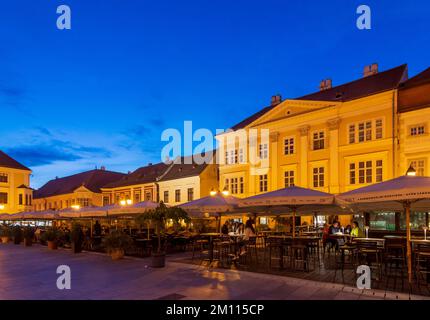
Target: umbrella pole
407, 206
294, 222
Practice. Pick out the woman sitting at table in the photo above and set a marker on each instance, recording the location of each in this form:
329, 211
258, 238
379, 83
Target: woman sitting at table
334, 229
356, 231
249, 230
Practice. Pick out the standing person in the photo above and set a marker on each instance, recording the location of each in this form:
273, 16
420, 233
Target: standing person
97, 229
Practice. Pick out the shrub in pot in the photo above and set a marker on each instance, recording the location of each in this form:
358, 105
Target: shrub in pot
17, 234
5, 233
158, 217
116, 243
76, 238
51, 237
28, 234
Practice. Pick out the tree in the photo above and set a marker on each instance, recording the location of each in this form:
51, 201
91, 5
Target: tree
159, 216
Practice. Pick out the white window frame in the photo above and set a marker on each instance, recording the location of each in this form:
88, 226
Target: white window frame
289, 145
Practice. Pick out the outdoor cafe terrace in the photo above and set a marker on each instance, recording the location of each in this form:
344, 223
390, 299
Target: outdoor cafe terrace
277, 242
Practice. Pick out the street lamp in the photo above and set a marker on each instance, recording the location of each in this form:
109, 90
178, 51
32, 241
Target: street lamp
76, 207
224, 192
2, 207
126, 202
411, 171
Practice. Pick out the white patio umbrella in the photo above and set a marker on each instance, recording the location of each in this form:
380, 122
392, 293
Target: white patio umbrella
292, 199
404, 193
133, 209
85, 212
216, 204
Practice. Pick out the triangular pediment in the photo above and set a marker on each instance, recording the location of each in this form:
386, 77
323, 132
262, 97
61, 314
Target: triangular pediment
291, 108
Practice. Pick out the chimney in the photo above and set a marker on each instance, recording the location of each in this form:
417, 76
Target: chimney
276, 100
325, 84
370, 70
103, 168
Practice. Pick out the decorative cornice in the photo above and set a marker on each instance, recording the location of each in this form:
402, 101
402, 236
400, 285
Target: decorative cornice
333, 124
304, 130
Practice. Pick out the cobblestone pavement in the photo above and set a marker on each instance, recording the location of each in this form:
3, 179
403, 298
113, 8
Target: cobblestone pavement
30, 273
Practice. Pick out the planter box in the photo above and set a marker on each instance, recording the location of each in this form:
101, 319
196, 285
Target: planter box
52, 245
117, 254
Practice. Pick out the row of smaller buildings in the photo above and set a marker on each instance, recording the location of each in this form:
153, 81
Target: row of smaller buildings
174, 183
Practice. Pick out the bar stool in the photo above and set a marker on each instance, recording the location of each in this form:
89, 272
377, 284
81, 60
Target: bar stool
300, 255
251, 248
274, 245
345, 257
369, 253
395, 260
198, 244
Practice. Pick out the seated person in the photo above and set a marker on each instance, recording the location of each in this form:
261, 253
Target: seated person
334, 228
224, 229
356, 231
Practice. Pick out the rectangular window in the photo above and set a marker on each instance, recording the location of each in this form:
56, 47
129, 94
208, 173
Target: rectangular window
318, 177
289, 146
3, 177
106, 201
263, 183
241, 156
241, 185
352, 173
227, 184
361, 132
226, 158
190, 193
368, 171
83, 202
232, 157
361, 172
137, 197
318, 140
417, 130
166, 196
368, 130
178, 195
351, 133
378, 129
234, 185
419, 166
379, 171
289, 178
21, 201
263, 151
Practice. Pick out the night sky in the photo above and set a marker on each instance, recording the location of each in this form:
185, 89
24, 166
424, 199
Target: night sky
101, 93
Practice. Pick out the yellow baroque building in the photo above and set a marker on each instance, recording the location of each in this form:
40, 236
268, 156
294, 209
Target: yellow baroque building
335, 140
15, 192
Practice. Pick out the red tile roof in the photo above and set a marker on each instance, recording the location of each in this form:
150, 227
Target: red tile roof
377, 83
142, 175
8, 162
380, 82
183, 169
92, 180
419, 79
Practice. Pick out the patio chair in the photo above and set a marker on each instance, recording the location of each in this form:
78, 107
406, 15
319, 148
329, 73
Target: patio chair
422, 264
395, 260
370, 254
251, 248
300, 255
274, 250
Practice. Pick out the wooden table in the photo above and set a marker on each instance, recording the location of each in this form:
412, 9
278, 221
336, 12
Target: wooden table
379, 241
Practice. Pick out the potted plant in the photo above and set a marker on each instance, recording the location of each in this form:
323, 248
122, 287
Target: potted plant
116, 243
28, 235
76, 238
159, 217
51, 237
17, 234
5, 233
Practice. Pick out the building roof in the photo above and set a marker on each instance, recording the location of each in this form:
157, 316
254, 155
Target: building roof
142, 175
414, 93
380, 82
183, 169
7, 162
419, 79
92, 180
377, 83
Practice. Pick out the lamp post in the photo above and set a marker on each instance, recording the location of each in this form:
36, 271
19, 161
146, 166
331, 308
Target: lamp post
2, 206
223, 193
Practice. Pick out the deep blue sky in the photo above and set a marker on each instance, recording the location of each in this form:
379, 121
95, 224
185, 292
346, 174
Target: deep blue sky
101, 93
